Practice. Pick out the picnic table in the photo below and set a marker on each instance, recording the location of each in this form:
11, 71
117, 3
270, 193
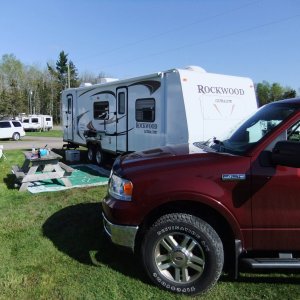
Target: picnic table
37, 168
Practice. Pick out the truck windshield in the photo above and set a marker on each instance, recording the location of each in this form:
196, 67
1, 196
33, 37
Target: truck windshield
253, 129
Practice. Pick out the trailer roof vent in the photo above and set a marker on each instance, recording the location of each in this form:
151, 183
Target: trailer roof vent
84, 84
196, 69
106, 80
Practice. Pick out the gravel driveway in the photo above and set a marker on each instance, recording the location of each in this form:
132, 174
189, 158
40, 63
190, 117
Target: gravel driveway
27, 142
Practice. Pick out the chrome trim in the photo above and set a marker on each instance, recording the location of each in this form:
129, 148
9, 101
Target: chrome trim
121, 235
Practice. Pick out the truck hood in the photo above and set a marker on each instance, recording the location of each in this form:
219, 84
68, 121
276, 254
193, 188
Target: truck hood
186, 157
163, 152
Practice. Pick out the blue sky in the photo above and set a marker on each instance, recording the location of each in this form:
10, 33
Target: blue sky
126, 38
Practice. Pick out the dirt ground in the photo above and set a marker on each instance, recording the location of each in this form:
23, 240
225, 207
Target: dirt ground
29, 142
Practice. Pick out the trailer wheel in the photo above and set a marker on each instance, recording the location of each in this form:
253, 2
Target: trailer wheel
183, 254
91, 153
99, 156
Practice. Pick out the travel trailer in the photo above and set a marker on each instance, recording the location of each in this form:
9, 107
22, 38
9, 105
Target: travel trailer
171, 107
37, 122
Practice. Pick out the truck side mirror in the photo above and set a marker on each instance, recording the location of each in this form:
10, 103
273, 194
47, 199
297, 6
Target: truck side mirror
286, 153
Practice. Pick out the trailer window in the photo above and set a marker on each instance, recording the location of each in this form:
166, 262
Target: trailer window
34, 120
101, 110
145, 110
121, 103
70, 104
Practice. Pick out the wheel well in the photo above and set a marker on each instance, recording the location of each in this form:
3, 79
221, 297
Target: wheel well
91, 144
204, 212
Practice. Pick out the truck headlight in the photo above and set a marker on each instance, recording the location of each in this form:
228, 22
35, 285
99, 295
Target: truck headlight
120, 188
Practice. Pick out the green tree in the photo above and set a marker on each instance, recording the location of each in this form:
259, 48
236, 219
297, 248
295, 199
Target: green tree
263, 92
61, 75
12, 71
64, 72
267, 93
74, 81
276, 92
289, 94
12, 76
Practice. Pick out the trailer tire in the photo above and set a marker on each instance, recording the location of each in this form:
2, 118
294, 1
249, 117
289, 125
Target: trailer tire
183, 254
91, 153
99, 156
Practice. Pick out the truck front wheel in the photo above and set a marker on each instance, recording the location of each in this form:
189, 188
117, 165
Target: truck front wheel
183, 254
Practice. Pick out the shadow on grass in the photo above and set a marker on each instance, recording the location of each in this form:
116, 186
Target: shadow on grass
10, 181
269, 276
78, 232
274, 276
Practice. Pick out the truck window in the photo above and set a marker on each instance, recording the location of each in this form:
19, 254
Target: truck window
256, 127
101, 110
121, 103
145, 110
293, 134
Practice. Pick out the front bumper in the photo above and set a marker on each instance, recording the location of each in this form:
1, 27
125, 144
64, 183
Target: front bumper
121, 235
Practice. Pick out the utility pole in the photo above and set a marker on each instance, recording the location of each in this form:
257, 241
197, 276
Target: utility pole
30, 102
69, 79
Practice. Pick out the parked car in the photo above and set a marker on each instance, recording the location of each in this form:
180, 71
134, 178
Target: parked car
11, 129
194, 210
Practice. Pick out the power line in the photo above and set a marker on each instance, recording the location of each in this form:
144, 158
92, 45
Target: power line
208, 40
175, 29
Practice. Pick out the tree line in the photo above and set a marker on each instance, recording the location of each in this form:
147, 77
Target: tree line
32, 90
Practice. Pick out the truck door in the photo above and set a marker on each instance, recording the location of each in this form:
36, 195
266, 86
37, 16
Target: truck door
276, 202
68, 130
122, 120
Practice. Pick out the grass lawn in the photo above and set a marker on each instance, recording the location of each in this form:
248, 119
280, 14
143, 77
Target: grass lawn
50, 133
52, 246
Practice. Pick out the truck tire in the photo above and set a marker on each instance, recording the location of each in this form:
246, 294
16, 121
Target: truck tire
91, 153
183, 254
16, 136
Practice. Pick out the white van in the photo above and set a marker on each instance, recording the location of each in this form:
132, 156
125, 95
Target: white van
11, 129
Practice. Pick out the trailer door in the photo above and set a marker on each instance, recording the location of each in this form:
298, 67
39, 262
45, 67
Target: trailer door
122, 120
69, 118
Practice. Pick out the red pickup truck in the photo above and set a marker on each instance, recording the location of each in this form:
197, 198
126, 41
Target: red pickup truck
193, 211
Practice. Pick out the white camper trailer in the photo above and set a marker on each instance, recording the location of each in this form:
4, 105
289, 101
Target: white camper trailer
171, 107
37, 122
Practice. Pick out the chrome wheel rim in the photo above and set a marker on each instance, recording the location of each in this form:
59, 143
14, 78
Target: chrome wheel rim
179, 258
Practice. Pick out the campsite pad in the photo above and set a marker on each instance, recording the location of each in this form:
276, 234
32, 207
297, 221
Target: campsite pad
83, 176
